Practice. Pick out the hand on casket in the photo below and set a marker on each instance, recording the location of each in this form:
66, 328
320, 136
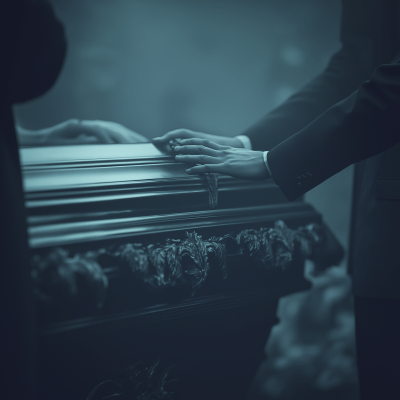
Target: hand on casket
215, 158
73, 131
162, 142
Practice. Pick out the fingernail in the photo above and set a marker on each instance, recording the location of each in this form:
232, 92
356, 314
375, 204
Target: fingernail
176, 148
156, 138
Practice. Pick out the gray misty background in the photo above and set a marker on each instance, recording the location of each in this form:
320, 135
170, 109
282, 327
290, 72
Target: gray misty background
215, 66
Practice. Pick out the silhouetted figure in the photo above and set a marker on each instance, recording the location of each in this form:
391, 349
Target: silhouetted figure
32, 52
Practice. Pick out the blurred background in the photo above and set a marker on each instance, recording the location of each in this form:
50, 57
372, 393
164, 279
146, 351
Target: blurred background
218, 66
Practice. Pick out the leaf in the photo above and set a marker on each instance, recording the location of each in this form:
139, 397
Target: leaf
218, 252
194, 260
249, 240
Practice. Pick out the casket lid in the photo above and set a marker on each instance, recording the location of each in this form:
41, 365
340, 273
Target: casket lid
67, 175
61, 167
83, 193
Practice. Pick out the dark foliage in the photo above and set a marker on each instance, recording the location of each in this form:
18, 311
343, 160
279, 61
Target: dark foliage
65, 280
139, 382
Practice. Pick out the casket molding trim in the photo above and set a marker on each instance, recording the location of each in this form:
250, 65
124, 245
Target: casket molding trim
59, 234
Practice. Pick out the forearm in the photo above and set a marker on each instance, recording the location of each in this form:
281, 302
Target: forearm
361, 126
368, 35
28, 137
342, 76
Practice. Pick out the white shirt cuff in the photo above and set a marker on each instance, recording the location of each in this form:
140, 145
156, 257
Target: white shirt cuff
266, 162
246, 142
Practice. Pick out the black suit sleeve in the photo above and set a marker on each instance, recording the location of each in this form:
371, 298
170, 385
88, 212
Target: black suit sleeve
369, 37
363, 125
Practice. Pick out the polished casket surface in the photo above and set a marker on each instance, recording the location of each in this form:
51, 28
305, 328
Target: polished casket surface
93, 198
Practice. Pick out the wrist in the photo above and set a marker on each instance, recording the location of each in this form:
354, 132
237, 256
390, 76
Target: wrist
265, 157
28, 137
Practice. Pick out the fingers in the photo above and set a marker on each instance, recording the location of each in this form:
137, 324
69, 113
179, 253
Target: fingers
100, 134
207, 168
138, 138
95, 129
176, 134
197, 159
204, 143
62, 141
164, 148
201, 151
111, 132
197, 149
72, 129
118, 133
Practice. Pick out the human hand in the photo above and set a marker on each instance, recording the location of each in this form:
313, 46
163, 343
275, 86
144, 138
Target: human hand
162, 142
215, 158
74, 131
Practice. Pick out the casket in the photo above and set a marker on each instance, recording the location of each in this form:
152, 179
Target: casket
144, 286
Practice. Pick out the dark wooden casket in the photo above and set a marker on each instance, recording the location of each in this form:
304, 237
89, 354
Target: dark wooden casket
124, 284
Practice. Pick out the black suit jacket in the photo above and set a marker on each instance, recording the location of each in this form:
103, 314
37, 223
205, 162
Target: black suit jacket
363, 124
